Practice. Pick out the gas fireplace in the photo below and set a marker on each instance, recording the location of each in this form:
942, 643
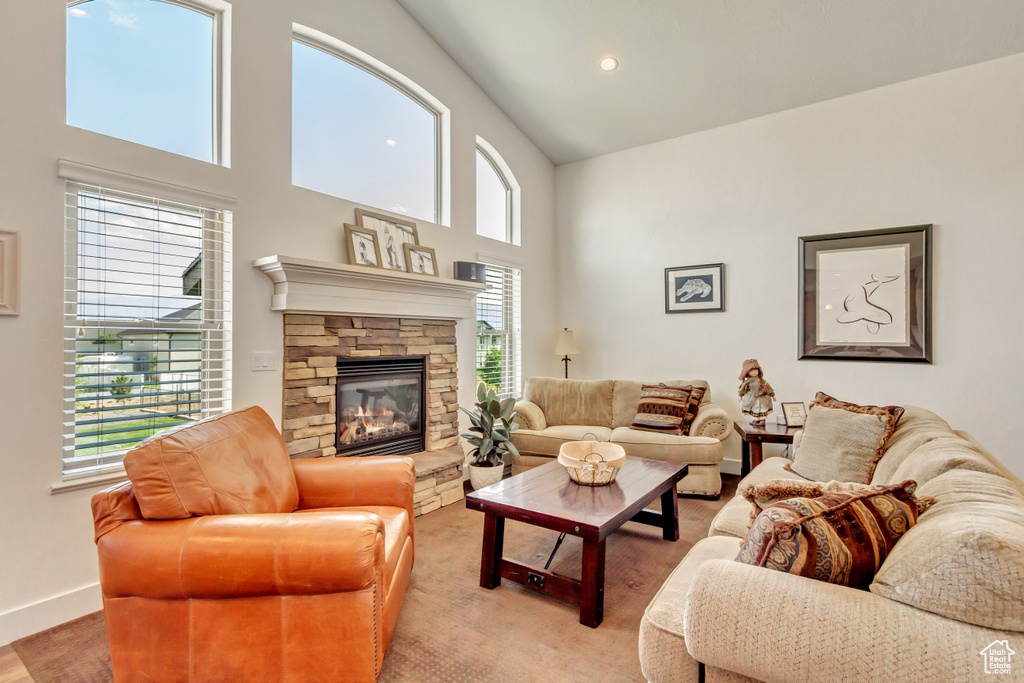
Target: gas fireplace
381, 405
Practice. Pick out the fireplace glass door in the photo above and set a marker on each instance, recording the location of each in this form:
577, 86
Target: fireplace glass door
380, 406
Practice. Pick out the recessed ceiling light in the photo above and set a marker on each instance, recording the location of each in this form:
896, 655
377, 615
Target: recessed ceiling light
390, 143
609, 64
78, 12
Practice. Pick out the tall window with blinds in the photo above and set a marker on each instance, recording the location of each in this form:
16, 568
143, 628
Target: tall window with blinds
499, 332
147, 321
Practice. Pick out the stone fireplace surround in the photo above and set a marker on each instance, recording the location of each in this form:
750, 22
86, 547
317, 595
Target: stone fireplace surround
314, 343
334, 310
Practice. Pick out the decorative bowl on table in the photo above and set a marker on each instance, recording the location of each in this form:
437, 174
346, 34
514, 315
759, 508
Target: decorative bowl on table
592, 463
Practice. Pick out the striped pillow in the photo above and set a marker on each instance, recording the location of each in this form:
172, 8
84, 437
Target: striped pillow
841, 537
662, 409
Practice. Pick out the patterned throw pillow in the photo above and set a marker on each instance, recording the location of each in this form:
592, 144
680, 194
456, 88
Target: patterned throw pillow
662, 408
692, 406
840, 537
843, 441
768, 493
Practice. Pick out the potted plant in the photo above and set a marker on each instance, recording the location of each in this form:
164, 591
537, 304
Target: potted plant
491, 434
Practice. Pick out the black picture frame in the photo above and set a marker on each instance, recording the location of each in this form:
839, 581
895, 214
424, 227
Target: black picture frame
706, 293
847, 308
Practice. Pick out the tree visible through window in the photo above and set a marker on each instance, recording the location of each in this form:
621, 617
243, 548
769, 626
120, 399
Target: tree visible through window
143, 71
498, 332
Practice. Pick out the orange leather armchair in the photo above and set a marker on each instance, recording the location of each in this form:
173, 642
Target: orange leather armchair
224, 560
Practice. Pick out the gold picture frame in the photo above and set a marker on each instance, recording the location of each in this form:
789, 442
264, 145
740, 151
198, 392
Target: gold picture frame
420, 260
392, 235
358, 242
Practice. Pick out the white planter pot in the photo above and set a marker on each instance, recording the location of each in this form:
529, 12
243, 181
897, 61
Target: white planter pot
480, 476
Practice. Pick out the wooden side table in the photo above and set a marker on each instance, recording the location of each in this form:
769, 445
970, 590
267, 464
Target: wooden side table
753, 436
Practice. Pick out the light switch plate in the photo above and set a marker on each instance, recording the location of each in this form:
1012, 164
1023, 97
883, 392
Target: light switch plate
263, 361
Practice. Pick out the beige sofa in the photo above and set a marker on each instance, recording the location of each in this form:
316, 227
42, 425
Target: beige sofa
554, 411
930, 612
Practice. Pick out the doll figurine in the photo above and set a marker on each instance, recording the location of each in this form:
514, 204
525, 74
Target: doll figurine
755, 394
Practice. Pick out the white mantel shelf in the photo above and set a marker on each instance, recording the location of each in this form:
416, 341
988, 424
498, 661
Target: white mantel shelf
306, 285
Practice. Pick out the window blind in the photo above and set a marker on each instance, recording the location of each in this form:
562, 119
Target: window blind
147, 321
499, 331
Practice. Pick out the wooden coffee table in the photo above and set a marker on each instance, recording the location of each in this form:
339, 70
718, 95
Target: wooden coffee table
546, 497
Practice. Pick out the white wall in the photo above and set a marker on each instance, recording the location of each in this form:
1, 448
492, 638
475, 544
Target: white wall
48, 570
946, 149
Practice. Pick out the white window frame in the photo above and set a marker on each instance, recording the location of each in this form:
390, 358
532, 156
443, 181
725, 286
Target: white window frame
216, 372
512, 324
513, 193
378, 69
220, 12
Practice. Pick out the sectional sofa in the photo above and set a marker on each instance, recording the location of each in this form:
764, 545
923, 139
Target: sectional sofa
949, 595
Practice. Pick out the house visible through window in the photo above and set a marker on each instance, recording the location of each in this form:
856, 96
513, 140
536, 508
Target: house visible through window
147, 343
499, 331
363, 135
145, 71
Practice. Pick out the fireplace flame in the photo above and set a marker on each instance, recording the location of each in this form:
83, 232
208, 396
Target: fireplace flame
375, 422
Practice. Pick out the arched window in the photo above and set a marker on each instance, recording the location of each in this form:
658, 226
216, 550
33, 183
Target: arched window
148, 71
363, 132
497, 196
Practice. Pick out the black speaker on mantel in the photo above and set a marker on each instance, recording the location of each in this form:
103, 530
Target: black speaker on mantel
470, 271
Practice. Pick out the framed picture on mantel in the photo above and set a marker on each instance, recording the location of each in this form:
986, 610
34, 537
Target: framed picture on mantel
866, 295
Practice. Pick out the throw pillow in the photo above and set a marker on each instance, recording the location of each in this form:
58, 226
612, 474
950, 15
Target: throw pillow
662, 408
692, 406
843, 441
768, 493
839, 537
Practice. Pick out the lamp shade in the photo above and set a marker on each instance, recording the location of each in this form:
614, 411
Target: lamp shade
566, 344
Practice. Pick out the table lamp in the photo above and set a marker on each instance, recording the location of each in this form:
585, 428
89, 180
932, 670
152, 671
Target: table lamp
566, 345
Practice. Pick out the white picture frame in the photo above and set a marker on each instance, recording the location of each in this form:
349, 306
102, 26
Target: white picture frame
10, 275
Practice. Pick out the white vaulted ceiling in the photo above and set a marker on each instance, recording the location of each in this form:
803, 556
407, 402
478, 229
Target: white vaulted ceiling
691, 65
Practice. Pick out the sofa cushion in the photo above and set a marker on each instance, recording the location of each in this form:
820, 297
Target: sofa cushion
548, 441
626, 397
662, 409
572, 401
965, 559
843, 441
941, 455
233, 463
672, 447
917, 426
840, 537
732, 520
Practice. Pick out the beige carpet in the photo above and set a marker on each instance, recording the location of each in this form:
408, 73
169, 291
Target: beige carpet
450, 629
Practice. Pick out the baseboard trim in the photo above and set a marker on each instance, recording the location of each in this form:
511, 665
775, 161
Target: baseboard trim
39, 616
730, 467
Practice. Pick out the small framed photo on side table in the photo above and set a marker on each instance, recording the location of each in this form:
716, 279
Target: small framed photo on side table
792, 414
